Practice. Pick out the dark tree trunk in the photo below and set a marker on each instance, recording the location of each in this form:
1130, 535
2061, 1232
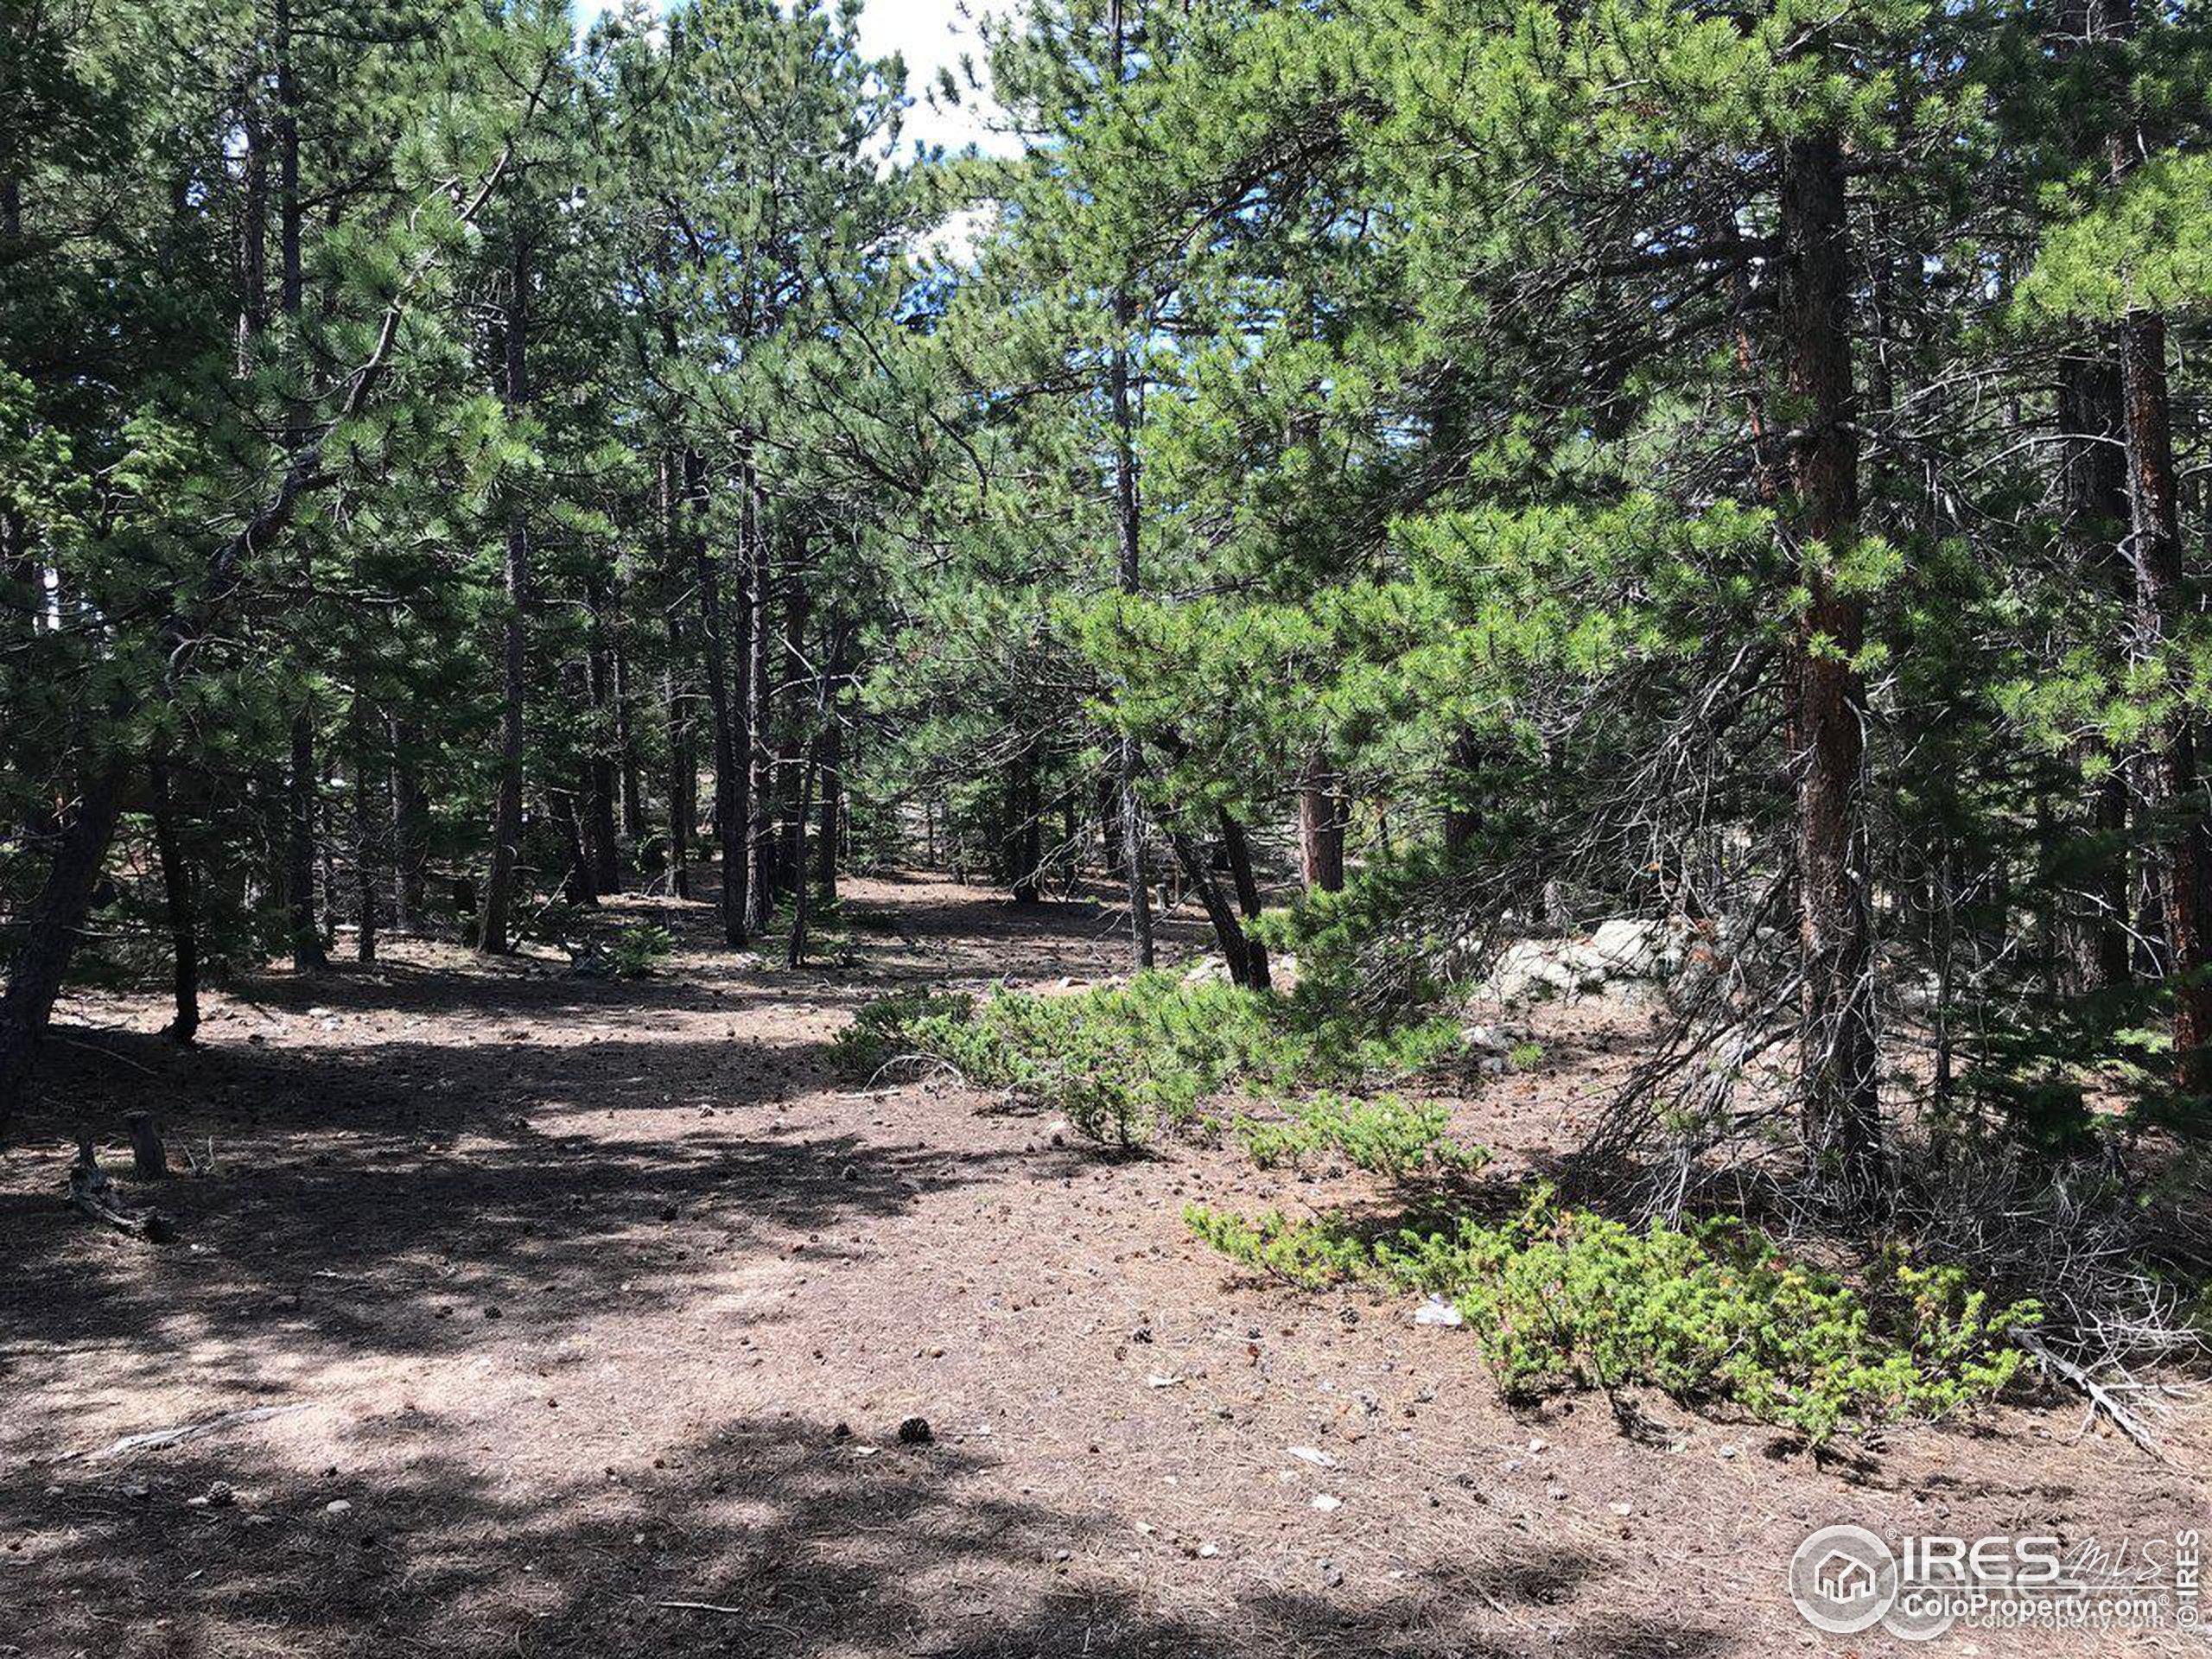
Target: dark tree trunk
368, 843
1025, 841
2093, 943
1321, 832
599, 770
2161, 604
1841, 1111
492, 934
636, 832
1238, 849
1462, 819
1236, 947
183, 918
731, 760
1126, 511
301, 801
410, 836
50, 929
308, 950
755, 829
833, 765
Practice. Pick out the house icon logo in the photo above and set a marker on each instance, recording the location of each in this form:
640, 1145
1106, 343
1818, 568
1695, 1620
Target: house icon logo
1843, 1578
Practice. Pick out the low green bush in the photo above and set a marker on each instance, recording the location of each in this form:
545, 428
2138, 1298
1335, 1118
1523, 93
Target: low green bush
1386, 1136
880, 1029
1565, 1299
1125, 1061
640, 948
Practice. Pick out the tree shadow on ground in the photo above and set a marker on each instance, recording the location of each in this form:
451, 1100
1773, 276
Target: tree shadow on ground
791, 1540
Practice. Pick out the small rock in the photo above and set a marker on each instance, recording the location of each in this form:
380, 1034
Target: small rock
1325, 1502
338, 1506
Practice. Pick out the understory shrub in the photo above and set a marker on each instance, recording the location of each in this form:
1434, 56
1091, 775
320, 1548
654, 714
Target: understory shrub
1124, 1061
1385, 1136
1565, 1299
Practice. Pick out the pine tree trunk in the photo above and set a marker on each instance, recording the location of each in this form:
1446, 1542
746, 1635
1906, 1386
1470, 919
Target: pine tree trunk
1462, 819
731, 760
1842, 1112
1126, 529
1024, 840
368, 871
1228, 932
183, 918
636, 832
754, 829
600, 765
1238, 848
506, 818
2093, 944
2161, 604
410, 831
50, 927
309, 953
1320, 833
833, 765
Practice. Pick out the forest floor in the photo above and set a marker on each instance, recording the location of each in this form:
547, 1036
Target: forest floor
591, 1312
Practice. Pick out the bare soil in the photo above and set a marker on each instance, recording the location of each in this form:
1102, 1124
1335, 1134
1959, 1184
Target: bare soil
597, 1300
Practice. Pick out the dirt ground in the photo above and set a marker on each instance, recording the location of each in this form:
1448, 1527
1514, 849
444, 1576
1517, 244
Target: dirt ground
584, 1318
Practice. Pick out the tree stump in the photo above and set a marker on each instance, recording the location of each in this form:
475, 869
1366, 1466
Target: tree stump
150, 1162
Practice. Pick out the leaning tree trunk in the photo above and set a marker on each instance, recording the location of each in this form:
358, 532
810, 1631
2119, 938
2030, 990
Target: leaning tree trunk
1235, 946
1840, 1106
1239, 851
506, 817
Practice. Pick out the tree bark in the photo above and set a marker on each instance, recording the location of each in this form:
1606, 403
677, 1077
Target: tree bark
506, 819
368, 839
309, 953
600, 769
50, 929
1126, 534
1321, 832
1840, 1108
1238, 848
731, 760
409, 833
755, 829
2093, 944
2161, 600
183, 918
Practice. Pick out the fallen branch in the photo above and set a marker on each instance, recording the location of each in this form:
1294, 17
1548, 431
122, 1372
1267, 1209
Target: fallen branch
703, 1607
155, 1439
91, 1192
2100, 1397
